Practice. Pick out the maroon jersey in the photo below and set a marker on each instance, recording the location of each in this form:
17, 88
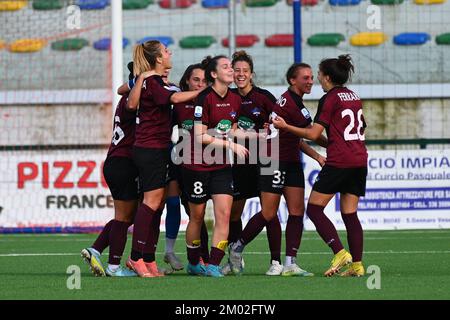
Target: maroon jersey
291, 108
256, 108
183, 115
123, 133
153, 122
340, 112
218, 114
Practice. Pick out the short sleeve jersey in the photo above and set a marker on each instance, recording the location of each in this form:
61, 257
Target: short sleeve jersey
183, 115
256, 108
153, 122
291, 108
218, 114
340, 112
123, 132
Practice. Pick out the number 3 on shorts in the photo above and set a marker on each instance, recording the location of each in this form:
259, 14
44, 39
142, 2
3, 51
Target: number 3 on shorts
278, 177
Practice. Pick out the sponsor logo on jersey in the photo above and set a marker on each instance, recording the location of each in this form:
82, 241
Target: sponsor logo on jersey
187, 125
245, 123
224, 126
198, 111
221, 105
305, 113
256, 111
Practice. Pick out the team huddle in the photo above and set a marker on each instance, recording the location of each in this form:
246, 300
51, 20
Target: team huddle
203, 141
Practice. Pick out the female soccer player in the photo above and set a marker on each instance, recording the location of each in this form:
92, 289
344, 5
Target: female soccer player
183, 117
287, 178
256, 106
121, 176
340, 114
208, 172
150, 150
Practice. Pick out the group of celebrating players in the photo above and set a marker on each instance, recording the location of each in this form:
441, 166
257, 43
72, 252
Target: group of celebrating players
215, 158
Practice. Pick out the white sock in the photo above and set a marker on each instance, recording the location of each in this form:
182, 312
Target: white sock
238, 246
95, 251
170, 244
289, 260
113, 267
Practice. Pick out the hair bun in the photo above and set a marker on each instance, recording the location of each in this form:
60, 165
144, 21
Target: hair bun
206, 61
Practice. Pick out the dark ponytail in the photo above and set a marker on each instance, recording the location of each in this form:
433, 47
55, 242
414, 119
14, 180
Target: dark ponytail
339, 70
210, 64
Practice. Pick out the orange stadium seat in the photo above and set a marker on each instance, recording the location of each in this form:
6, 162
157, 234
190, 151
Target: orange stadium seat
27, 45
12, 5
366, 39
429, 1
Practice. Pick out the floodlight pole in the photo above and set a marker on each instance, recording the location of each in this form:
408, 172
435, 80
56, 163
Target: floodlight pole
116, 50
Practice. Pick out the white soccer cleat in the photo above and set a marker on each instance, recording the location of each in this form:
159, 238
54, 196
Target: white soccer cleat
174, 262
295, 271
275, 269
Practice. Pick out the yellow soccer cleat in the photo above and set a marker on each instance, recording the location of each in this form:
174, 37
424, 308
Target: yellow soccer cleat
94, 262
356, 269
341, 259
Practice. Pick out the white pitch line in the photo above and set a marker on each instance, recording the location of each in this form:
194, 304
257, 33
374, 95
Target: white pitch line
257, 239
249, 252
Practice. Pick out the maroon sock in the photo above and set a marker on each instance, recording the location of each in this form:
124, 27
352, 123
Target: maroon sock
142, 227
152, 243
235, 231
273, 228
294, 230
117, 241
354, 235
324, 227
102, 241
193, 255
204, 240
216, 256
253, 228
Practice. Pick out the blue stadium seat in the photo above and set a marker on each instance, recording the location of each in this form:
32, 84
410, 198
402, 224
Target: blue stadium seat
344, 2
92, 4
105, 44
214, 4
165, 40
411, 38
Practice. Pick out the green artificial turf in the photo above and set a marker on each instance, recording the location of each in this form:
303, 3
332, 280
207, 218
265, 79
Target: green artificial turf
413, 265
